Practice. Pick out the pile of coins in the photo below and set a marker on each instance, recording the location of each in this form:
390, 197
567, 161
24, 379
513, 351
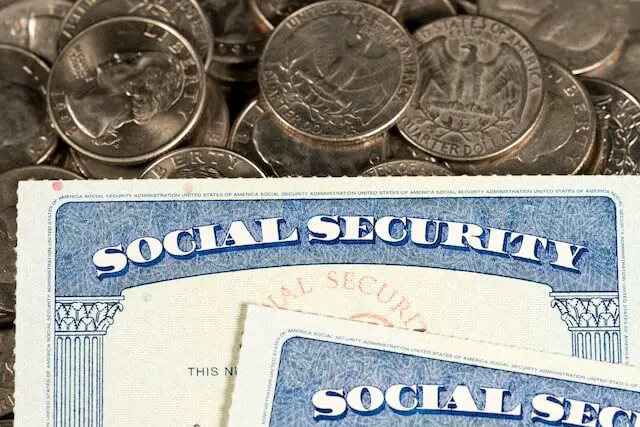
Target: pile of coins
150, 89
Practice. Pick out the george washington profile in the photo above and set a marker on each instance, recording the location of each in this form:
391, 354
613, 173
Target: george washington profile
129, 88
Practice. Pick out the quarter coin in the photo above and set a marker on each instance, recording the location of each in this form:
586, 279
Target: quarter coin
625, 70
338, 71
619, 113
580, 34
186, 16
408, 168
564, 141
27, 136
34, 25
126, 90
202, 162
268, 14
481, 93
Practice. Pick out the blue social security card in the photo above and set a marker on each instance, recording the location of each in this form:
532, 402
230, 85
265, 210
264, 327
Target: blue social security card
130, 294
306, 370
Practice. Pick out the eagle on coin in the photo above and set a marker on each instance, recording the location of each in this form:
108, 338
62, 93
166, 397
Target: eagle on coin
471, 90
338, 71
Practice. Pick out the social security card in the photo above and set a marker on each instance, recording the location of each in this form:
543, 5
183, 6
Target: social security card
131, 293
307, 370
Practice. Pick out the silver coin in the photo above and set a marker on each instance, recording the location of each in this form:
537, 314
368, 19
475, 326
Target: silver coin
7, 373
240, 138
213, 128
400, 149
338, 71
246, 72
96, 169
619, 115
126, 90
27, 136
186, 16
482, 89
564, 141
580, 34
237, 39
408, 168
416, 13
8, 201
288, 156
268, 14
34, 25
202, 162
625, 70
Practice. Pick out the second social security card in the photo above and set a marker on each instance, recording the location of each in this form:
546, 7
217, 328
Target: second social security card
306, 370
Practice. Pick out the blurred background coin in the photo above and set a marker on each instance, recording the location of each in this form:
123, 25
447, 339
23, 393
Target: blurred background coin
581, 34
416, 13
237, 39
8, 201
126, 90
34, 25
27, 136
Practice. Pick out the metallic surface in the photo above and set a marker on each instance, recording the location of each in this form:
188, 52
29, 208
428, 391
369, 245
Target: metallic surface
240, 137
202, 162
27, 136
619, 114
580, 34
34, 25
338, 71
563, 143
126, 90
288, 156
268, 14
186, 16
408, 168
8, 201
416, 13
237, 39
481, 93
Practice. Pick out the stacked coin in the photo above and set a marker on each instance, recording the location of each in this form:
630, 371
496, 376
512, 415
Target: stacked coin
253, 88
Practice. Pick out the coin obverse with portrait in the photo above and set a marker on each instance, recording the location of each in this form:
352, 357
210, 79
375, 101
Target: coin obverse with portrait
130, 101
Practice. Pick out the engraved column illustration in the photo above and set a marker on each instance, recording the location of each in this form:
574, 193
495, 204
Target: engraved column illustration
80, 326
594, 321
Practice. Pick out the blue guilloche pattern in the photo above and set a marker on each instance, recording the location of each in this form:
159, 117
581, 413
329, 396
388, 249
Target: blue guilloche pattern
82, 228
309, 365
